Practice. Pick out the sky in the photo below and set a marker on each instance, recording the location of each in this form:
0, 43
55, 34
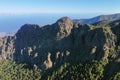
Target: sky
13, 12
59, 6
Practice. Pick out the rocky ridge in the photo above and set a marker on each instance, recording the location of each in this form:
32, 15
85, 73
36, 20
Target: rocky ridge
63, 41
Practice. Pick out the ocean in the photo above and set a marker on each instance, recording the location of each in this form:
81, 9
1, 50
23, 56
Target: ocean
11, 23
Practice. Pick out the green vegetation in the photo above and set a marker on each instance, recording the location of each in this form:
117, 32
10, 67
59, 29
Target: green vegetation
95, 55
93, 70
84, 71
9, 70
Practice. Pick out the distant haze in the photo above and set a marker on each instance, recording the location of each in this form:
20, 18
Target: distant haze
11, 23
15, 13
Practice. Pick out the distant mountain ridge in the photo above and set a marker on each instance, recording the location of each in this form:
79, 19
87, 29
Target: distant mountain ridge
98, 18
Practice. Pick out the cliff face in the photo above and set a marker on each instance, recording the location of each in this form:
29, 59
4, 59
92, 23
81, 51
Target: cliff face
6, 48
63, 41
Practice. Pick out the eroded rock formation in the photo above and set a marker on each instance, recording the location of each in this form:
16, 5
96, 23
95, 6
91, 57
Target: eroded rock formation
62, 41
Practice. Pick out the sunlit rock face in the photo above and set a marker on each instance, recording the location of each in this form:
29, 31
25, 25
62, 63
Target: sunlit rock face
64, 41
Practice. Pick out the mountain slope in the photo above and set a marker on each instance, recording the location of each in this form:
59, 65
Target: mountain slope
65, 49
98, 18
36, 45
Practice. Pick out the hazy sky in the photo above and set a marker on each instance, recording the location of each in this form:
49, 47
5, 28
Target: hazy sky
59, 6
12, 12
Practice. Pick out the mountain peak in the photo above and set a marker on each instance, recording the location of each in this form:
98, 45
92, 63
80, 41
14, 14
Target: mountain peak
28, 28
65, 20
64, 26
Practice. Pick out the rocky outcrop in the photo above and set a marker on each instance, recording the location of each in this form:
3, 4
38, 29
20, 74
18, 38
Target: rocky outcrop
98, 44
47, 63
6, 47
64, 27
64, 41
116, 31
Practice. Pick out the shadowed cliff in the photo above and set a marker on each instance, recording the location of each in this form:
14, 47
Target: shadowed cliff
64, 41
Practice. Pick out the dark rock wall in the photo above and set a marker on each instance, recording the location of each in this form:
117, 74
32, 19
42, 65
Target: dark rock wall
62, 41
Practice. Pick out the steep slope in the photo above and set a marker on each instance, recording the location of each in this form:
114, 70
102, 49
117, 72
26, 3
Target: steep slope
98, 19
111, 23
37, 45
63, 41
64, 50
6, 48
